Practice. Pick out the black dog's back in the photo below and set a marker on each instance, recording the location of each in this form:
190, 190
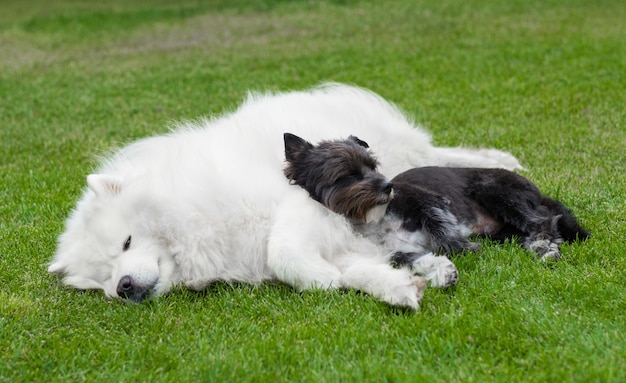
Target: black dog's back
515, 204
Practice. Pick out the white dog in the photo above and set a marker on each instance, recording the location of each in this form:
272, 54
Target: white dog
209, 202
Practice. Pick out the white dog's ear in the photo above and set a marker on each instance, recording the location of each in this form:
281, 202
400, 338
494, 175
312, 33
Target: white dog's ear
104, 184
295, 146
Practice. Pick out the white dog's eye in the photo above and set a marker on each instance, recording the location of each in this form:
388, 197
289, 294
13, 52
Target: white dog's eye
126, 243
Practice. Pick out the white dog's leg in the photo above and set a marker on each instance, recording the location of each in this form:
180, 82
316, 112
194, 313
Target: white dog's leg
476, 158
302, 269
301, 243
398, 287
439, 270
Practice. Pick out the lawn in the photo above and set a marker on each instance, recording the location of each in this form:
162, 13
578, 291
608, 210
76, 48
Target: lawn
545, 80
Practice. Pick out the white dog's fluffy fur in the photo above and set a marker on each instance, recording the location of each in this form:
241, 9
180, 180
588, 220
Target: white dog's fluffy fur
210, 202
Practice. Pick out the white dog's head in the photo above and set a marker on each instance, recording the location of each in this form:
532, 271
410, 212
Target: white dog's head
109, 243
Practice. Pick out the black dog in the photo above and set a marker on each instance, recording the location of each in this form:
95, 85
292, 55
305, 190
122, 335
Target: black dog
433, 209
341, 175
449, 204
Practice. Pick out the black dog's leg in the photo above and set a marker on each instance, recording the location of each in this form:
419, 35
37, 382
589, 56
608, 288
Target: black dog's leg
439, 271
567, 225
546, 241
562, 227
429, 211
444, 232
400, 259
516, 202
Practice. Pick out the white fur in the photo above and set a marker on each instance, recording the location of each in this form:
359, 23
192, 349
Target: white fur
437, 269
391, 237
209, 201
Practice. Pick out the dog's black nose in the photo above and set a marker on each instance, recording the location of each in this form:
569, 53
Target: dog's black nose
386, 187
125, 287
132, 290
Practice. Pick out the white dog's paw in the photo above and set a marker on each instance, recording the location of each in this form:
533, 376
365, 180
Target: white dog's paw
408, 295
502, 159
397, 287
197, 284
439, 270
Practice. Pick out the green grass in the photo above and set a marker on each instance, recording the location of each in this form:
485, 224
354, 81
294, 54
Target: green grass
545, 80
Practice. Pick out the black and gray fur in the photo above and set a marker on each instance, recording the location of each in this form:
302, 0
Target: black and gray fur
430, 209
342, 176
339, 174
449, 204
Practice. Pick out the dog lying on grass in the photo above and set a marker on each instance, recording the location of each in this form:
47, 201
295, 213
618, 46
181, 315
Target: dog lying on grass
428, 210
209, 202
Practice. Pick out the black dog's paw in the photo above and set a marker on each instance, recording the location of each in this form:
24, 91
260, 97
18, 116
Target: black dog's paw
400, 259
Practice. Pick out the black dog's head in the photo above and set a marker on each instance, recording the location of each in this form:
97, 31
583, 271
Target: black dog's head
340, 174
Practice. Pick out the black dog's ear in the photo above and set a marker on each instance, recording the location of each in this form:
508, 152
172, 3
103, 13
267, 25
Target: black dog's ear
295, 146
359, 141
